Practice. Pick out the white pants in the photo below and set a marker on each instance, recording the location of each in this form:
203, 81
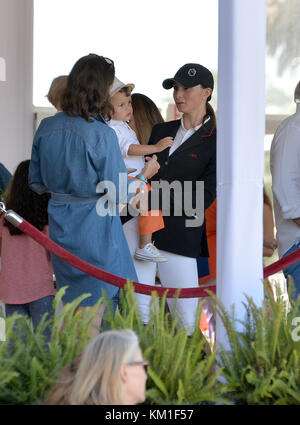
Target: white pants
177, 272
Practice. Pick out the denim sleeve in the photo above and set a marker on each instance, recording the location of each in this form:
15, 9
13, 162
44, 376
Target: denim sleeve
5, 176
35, 179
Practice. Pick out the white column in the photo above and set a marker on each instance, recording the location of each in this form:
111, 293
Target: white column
240, 153
16, 51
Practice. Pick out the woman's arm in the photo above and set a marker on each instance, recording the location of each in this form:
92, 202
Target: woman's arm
270, 243
35, 178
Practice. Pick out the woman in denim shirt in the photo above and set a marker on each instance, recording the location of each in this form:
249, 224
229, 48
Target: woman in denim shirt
72, 153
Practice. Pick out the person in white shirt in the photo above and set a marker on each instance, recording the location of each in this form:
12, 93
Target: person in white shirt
133, 154
285, 170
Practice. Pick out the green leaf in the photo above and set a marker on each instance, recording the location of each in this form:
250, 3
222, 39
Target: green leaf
158, 382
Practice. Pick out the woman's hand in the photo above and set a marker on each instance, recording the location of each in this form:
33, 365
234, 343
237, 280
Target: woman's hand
164, 143
151, 167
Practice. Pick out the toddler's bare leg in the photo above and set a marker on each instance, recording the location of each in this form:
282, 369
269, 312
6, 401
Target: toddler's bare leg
144, 240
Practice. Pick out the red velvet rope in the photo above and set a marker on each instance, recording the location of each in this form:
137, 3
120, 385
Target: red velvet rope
138, 287
85, 267
282, 264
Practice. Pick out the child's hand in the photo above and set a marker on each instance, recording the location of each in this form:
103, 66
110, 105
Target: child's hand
164, 143
151, 167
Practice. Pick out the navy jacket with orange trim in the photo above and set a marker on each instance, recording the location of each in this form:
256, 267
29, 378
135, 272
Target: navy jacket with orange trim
194, 160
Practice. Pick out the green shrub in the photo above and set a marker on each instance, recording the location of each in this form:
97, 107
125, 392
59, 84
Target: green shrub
180, 369
28, 365
262, 365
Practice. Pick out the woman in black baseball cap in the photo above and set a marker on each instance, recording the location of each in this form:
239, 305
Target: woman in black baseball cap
193, 85
191, 159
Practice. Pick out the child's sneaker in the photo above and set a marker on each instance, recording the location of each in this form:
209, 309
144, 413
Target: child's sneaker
149, 253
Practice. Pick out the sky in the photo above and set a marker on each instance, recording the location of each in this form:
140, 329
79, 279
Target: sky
147, 40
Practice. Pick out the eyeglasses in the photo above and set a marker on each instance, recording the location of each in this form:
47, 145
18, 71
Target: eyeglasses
144, 363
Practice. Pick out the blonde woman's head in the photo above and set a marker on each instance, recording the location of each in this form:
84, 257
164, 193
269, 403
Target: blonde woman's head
110, 371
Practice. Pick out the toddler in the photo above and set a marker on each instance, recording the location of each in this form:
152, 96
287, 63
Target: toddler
133, 154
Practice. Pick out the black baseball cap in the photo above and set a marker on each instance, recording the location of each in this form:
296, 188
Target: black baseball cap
190, 75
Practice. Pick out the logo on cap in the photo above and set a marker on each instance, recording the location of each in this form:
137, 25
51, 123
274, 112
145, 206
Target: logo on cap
192, 72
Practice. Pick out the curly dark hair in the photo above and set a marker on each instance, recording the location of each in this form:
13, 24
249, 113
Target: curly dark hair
87, 92
28, 204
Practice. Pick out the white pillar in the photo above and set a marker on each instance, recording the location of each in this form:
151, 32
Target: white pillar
240, 153
16, 51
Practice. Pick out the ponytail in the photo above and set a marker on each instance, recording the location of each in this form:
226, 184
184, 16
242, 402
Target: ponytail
210, 113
